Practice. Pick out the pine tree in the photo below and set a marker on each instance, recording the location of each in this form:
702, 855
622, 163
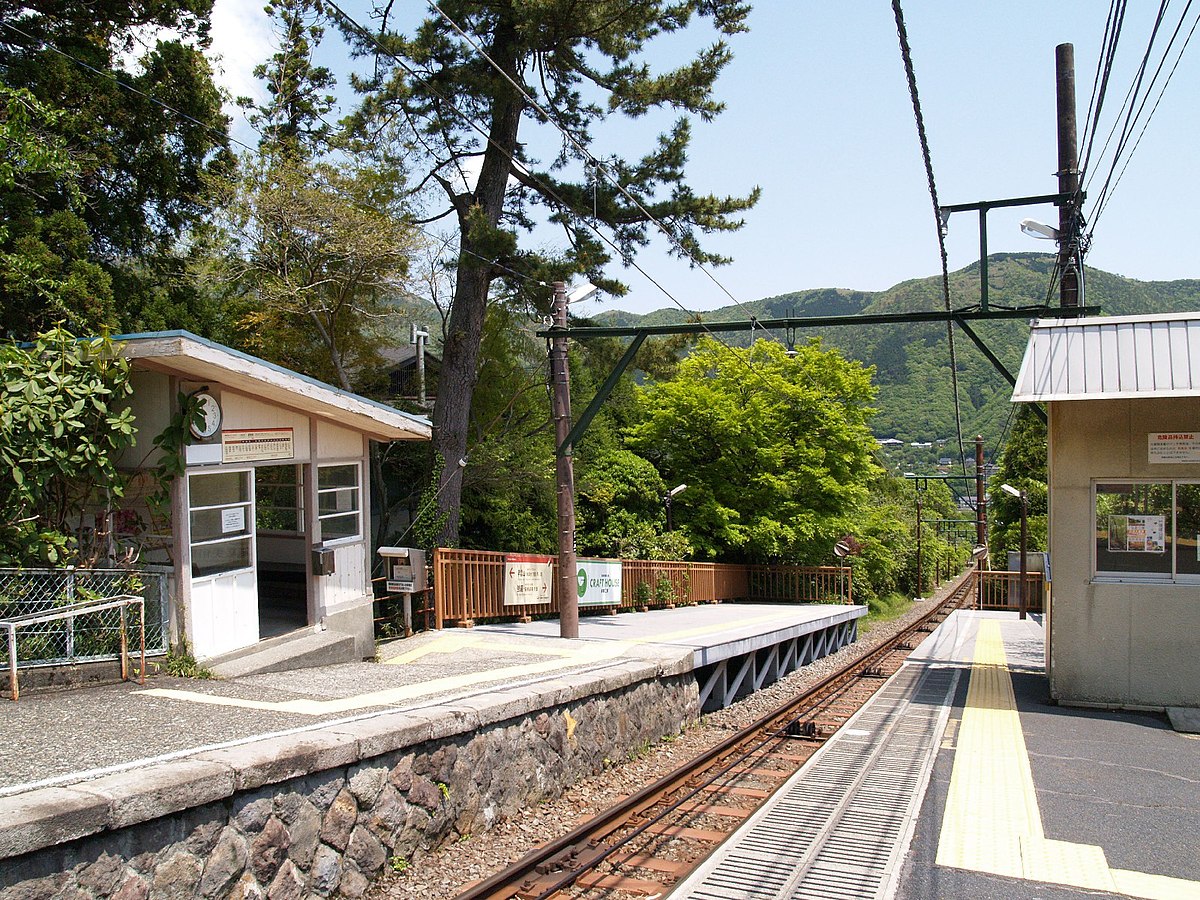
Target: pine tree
581, 63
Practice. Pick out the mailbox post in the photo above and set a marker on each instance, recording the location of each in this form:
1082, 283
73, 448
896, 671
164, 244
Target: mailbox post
405, 569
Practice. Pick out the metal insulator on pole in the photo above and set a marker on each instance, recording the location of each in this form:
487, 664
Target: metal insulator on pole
560, 378
1069, 255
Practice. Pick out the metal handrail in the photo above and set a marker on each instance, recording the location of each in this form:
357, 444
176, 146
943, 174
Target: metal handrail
123, 601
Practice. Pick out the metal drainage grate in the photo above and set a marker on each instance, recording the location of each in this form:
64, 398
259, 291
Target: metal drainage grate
833, 831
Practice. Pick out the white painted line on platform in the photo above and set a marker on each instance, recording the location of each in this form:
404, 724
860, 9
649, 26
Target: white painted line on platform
586, 653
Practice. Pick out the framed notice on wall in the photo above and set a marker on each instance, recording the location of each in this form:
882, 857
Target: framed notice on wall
1137, 534
527, 579
252, 444
1174, 447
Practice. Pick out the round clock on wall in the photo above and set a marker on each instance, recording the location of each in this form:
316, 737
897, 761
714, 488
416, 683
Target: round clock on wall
208, 416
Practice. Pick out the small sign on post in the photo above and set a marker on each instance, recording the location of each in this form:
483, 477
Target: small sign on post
406, 574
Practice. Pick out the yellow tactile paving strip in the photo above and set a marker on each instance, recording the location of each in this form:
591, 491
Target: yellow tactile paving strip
992, 823
584, 653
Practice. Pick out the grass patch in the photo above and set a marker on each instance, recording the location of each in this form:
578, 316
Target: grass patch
884, 609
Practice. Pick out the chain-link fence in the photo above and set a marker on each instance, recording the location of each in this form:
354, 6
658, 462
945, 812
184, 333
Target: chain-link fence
88, 636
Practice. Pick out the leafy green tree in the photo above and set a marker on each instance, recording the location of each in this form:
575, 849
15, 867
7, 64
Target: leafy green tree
620, 510
583, 63
1022, 464
39, 285
64, 422
139, 167
319, 240
774, 448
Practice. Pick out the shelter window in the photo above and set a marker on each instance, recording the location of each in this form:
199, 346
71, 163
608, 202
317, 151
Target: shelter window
221, 520
1148, 531
279, 498
339, 502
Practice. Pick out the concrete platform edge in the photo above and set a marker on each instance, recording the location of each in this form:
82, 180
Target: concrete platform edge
49, 816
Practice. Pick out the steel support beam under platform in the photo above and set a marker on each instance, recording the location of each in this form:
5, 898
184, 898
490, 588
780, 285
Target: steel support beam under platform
730, 679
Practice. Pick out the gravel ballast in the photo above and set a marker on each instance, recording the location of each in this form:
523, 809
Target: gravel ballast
433, 873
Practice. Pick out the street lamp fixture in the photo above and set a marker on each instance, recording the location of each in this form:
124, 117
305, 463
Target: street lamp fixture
668, 497
1039, 230
1020, 495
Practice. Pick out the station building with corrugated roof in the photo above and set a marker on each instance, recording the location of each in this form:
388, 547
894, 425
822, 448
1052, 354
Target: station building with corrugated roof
269, 527
1123, 401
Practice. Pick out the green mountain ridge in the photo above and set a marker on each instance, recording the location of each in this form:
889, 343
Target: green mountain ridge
912, 361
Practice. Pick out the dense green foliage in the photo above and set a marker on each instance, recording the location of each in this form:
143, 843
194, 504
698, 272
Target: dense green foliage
774, 447
122, 221
912, 362
1022, 465
64, 422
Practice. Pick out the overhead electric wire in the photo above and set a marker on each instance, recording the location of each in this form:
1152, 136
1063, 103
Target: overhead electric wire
910, 72
1131, 108
1107, 191
1104, 61
1146, 124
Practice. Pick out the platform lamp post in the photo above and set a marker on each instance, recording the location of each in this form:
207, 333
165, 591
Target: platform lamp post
919, 486
841, 550
667, 498
1022, 605
979, 556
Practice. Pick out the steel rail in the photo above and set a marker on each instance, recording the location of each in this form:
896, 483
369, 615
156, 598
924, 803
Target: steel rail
507, 883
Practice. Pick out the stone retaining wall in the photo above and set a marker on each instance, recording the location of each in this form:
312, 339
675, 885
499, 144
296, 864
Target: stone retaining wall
319, 813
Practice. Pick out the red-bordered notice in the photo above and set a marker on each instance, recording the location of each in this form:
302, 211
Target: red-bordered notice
527, 579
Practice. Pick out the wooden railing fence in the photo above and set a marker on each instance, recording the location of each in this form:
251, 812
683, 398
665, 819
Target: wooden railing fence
1002, 590
468, 585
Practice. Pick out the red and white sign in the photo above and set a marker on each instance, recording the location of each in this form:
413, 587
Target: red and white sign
1174, 447
527, 579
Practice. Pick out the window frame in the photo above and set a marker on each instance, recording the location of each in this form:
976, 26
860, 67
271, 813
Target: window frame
250, 528
1173, 577
298, 484
357, 512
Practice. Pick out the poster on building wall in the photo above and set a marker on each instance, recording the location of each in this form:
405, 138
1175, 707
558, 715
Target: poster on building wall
1137, 534
599, 582
527, 579
1174, 447
252, 444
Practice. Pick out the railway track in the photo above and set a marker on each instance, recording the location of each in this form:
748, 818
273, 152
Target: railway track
642, 846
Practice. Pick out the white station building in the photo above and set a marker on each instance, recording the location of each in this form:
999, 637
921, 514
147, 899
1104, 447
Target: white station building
1123, 401
270, 524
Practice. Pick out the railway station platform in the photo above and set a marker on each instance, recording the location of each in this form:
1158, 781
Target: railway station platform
961, 779
733, 648
305, 783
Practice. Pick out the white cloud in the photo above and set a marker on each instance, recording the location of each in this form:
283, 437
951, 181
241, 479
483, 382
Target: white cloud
241, 39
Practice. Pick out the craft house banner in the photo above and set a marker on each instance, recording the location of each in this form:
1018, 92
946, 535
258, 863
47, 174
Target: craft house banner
599, 582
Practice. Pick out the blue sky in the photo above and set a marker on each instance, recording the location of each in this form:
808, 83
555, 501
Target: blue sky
818, 115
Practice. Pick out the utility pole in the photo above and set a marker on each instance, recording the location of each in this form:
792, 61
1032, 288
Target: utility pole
564, 472
980, 496
418, 338
1070, 259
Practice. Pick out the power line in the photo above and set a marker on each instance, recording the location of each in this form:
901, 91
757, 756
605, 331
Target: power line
910, 72
1131, 121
